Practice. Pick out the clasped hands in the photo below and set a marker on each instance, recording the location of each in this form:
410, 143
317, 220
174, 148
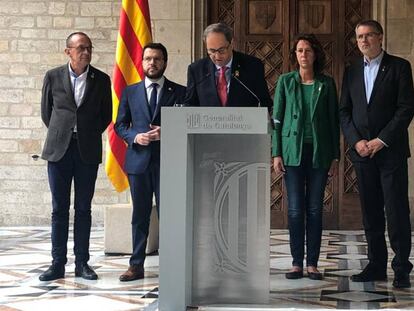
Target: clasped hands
367, 148
144, 139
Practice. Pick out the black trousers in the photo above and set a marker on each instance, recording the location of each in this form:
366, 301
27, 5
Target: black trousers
61, 173
385, 184
143, 187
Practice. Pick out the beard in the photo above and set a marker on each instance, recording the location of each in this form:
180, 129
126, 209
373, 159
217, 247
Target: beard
155, 74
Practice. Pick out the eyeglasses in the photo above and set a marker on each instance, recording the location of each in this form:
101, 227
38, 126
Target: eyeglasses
220, 51
368, 35
149, 59
81, 48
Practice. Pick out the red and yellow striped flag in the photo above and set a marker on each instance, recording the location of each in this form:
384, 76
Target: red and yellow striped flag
134, 33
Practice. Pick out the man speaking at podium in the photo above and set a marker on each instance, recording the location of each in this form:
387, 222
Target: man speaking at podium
226, 77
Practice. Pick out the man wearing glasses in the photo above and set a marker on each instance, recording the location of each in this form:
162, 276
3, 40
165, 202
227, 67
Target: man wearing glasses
377, 105
226, 78
76, 108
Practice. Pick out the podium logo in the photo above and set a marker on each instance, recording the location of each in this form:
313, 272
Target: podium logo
193, 120
239, 201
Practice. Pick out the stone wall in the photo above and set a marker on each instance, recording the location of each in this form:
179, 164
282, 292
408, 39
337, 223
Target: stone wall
32, 40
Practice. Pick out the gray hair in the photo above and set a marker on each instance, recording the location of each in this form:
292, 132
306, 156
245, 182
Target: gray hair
371, 23
219, 28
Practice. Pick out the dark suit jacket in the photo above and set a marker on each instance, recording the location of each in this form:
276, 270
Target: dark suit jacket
388, 113
134, 118
201, 83
60, 114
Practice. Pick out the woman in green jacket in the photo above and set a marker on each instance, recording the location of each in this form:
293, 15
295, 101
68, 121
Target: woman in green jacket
305, 148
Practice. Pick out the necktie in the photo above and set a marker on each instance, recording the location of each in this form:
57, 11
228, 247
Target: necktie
222, 86
153, 99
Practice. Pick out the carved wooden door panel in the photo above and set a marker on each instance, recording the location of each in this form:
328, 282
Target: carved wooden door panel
266, 29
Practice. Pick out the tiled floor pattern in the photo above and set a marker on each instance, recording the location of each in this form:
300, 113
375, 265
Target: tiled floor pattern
25, 252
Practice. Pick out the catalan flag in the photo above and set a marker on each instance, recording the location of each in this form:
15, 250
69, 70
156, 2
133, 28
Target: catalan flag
134, 33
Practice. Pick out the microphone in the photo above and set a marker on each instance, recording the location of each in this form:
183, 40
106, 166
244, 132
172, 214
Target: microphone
259, 104
204, 78
192, 87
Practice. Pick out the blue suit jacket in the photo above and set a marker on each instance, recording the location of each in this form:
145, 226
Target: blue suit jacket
134, 117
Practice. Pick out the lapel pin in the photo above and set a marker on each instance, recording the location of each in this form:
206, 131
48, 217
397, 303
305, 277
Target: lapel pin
237, 73
170, 89
92, 75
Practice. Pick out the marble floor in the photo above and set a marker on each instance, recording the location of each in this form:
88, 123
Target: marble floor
25, 252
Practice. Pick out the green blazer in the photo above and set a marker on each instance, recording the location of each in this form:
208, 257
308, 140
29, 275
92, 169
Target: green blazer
287, 138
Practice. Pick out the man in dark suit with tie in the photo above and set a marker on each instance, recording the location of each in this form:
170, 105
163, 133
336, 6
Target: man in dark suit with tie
226, 77
377, 105
139, 124
76, 108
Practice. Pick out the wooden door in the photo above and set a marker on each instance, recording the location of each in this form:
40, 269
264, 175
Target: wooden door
266, 29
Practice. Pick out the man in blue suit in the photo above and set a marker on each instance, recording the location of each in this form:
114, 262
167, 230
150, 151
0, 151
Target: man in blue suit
138, 124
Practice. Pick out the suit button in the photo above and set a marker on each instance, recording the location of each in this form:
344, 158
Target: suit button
295, 116
295, 133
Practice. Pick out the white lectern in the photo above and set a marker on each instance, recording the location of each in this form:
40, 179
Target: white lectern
215, 206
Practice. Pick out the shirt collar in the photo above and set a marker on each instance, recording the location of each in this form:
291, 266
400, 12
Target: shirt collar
228, 65
73, 74
149, 81
375, 61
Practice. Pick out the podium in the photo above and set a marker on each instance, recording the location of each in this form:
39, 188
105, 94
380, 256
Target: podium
214, 207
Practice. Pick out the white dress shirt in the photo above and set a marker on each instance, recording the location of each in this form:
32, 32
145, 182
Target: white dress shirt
78, 84
148, 82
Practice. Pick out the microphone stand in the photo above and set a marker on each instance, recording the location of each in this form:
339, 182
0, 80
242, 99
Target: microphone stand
192, 87
259, 104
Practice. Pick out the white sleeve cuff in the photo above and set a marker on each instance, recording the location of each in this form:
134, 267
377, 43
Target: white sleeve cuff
383, 142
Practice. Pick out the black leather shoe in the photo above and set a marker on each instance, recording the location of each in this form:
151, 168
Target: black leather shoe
85, 272
54, 272
402, 281
294, 275
315, 276
369, 274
